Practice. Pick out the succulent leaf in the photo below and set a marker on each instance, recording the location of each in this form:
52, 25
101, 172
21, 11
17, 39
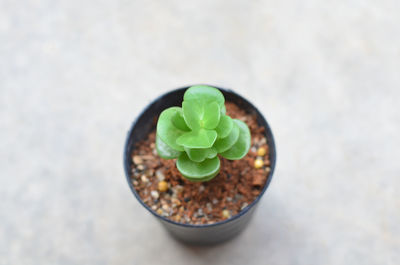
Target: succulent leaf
199, 114
242, 145
200, 154
204, 93
201, 138
164, 150
212, 152
198, 171
179, 122
166, 129
224, 127
224, 144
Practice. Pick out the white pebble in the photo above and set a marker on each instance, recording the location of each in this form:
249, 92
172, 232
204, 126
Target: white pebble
154, 194
144, 179
160, 175
137, 160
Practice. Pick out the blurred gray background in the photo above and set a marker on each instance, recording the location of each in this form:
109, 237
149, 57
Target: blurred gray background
74, 75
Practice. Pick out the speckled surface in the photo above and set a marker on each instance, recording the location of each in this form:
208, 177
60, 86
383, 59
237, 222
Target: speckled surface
74, 75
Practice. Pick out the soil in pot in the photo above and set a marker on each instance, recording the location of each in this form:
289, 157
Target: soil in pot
161, 186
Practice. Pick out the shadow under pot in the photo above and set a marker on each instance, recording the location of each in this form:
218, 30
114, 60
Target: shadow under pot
208, 233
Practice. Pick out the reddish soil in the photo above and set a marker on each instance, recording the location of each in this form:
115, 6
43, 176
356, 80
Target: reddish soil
232, 190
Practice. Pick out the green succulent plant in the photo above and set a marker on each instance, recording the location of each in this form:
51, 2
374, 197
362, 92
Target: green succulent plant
198, 132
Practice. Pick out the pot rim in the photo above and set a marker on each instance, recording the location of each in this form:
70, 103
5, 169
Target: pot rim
271, 145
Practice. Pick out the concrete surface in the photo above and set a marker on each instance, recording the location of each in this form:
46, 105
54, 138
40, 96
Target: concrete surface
74, 74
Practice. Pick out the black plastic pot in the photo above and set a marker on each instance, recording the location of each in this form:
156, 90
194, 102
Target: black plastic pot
195, 234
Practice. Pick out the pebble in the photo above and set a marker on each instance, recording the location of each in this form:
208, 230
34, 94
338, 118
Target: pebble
229, 199
160, 175
258, 163
244, 205
135, 183
154, 194
137, 160
209, 206
144, 179
140, 167
179, 188
159, 211
238, 197
261, 151
154, 207
165, 207
226, 214
149, 172
176, 201
162, 186
177, 218
201, 188
200, 211
214, 201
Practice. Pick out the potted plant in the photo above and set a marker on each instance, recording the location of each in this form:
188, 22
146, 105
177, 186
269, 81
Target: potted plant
199, 159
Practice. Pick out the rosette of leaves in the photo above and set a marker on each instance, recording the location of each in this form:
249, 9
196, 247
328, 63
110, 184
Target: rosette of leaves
198, 132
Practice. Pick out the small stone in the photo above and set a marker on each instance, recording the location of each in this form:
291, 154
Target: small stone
258, 163
253, 149
165, 207
209, 206
149, 172
229, 199
261, 151
238, 197
176, 202
162, 186
214, 201
154, 194
179, 188
177, 218
144, 179
187, 219
159, 211
244, 205
160, 175
201, 188
137, 160
187, 199
226, 214
140, 167
154, 207
135, 183
268, 169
